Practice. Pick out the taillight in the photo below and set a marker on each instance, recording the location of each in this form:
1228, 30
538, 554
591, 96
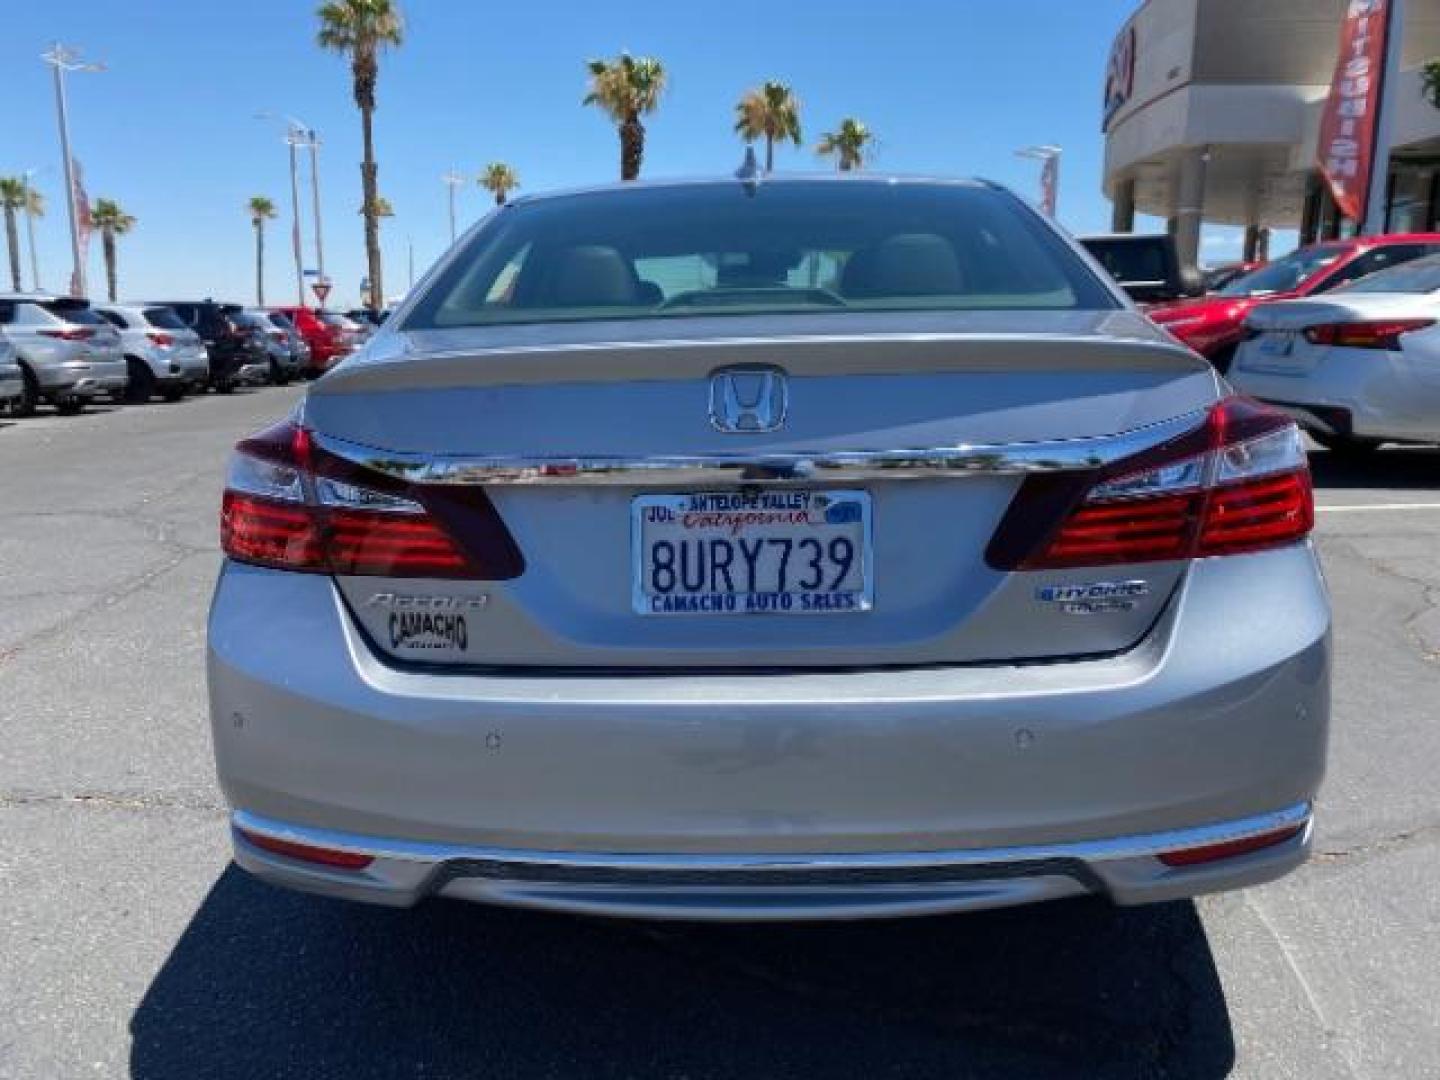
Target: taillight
290, 506
277, 335
1239, 482
71, 334
158, 338
1375, 334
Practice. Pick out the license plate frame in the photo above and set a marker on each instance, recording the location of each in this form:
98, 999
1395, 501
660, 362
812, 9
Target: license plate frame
849, 601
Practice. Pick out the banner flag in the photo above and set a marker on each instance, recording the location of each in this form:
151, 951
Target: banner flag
1348, 125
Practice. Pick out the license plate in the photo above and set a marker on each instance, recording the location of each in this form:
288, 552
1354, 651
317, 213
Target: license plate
761, 553
1277, 344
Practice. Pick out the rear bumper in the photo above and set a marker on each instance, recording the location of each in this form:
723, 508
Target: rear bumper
1219, 716
82, 378
1128, 870
1349, 393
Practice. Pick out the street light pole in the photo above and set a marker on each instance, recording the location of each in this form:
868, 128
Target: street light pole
312, 140
62, 59
295, 210
453, 180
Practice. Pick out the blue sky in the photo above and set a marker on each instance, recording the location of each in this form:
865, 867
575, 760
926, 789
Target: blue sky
949, 87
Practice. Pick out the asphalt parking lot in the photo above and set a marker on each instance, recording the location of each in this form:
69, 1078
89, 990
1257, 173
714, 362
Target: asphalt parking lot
129, 946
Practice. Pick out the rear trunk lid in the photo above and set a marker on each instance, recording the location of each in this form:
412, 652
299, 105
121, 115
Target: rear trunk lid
1275, 342
581, 446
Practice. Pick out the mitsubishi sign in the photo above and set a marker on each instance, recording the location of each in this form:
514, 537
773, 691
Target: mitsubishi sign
1119, 75
1348, 126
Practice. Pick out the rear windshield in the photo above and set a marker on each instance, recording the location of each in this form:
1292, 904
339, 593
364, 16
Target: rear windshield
254, 319
713, 249
1131, 261
75, 311
280, 319
164, 318
1417, 276
1284, 275
340, 322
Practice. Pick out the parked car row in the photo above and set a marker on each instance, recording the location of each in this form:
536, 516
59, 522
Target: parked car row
1215, 326
1342, 335
66, 352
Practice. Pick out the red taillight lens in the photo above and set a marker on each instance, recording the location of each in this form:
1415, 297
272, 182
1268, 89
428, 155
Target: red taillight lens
1379, 334
1256, 514
271, 533
163, 340
75, 334
289, 506
1137, 530
390, 544
1237, 483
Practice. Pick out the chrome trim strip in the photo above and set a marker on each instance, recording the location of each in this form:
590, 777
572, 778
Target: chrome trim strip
831, 467
1083, 851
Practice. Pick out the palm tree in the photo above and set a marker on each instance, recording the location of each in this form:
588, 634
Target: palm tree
112, 221
360, 30
14, 193
773, 112
499, 179
626, 89
382, 206
848, 143
261, 210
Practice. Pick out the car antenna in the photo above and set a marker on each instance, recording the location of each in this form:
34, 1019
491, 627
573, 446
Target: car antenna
749, 171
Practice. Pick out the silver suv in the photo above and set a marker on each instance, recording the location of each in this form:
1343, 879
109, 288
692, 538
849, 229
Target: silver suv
68, 353
162, 354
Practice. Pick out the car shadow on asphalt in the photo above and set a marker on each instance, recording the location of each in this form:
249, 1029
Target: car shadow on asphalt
269, 983
1396, 468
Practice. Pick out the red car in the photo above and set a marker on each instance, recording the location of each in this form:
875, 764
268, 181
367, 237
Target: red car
330, 335
1214, 326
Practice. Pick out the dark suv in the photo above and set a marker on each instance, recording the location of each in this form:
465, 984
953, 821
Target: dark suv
236, 355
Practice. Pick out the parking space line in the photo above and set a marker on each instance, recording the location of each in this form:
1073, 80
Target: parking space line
1378, 507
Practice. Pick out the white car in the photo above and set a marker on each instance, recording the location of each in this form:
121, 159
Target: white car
163, 355
1359, 367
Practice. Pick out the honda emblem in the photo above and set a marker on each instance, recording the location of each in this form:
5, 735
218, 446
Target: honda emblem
748, 399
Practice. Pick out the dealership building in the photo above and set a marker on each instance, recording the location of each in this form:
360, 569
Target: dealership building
1213, 112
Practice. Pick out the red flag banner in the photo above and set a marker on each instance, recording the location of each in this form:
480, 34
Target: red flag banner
1347, 128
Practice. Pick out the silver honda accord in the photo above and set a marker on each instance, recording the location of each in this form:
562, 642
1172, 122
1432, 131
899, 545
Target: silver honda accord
796, 548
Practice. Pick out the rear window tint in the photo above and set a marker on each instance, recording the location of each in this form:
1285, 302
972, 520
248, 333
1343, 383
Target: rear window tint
1131, 261
164, 318
794, 246
75, 311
